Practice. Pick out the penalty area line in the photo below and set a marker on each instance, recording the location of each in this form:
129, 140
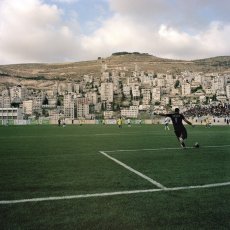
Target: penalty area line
134, 171
136, 150
157, 149
2, 202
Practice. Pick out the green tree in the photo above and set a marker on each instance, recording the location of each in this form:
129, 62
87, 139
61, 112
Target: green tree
58, 102
45, 101
197, 88
37, 115
15, 104
45, 113
177, 84
214, 97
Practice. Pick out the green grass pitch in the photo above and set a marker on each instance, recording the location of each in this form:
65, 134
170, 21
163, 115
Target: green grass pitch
51, 161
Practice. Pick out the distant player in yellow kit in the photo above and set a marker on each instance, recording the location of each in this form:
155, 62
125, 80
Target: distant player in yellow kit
119, 122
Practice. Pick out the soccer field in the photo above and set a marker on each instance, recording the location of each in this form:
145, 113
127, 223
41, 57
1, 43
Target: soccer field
103, 177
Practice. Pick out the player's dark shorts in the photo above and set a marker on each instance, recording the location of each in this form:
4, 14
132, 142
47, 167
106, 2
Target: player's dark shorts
182, 132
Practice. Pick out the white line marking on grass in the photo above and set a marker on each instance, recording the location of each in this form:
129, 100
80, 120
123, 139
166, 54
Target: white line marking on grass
156, 149
134, 171
136, 150
199, 186
113, 193
76, 196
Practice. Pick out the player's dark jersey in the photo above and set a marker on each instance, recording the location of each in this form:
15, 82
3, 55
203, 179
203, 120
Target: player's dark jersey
176, 120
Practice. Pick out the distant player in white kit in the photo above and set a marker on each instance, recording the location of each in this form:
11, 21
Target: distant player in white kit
129, 123
166, 122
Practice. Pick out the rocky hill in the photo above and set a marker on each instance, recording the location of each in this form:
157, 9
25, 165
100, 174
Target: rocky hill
43, 75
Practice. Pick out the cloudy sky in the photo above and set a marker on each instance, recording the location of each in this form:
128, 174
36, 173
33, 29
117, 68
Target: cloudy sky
74, 30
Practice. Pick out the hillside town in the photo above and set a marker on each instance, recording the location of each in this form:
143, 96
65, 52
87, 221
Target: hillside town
135, 95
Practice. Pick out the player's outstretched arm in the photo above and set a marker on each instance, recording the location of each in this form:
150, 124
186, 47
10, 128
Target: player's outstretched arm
188, 122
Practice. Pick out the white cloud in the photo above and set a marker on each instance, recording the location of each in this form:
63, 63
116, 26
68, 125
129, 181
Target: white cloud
211, 42
32, 31
116, 34
215, 39
174, 29
123, 34
195, 14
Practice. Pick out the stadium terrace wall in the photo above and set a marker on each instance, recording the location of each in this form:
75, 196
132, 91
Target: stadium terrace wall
46, 121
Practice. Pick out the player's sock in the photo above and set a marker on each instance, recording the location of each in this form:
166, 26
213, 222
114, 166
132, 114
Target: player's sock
182, 142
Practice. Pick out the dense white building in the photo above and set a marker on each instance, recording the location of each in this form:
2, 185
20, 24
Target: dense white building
131, 112
175, 91
70, 87
136, 92
161, 82
11, 114
185, 89
169, 79
69, 106
141, 89
147, 79
105, 76
107, 91
82, 105
146, 96
156, 94
37, 104
228, 91
76, 88
17, 93
28, 107
5, 101
198, 78
176, 102
218, 83
126, 90
92, 97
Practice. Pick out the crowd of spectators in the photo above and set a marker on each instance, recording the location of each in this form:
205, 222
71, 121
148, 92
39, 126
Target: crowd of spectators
214, 111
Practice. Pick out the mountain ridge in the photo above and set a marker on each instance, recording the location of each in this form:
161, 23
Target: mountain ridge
123, 61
